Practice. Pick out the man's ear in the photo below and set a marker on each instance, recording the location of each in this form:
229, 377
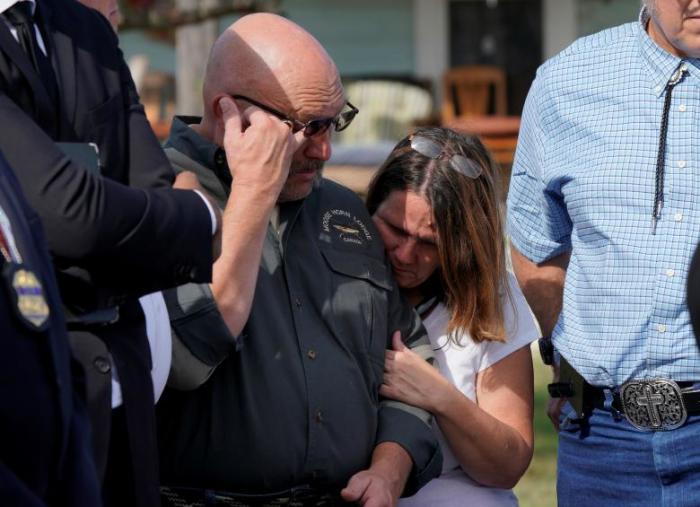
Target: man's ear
214, 106
218, 114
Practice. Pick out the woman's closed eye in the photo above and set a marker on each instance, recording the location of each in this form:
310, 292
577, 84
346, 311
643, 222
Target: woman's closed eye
397, 230
404, 234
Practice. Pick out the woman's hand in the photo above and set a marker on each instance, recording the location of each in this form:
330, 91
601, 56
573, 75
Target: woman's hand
411, 379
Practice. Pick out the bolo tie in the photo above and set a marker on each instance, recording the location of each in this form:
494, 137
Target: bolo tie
676, 78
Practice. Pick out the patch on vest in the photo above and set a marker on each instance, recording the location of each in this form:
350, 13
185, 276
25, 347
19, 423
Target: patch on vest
345, 227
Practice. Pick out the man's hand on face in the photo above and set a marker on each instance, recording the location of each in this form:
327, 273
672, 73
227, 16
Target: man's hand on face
369, 489
259, 147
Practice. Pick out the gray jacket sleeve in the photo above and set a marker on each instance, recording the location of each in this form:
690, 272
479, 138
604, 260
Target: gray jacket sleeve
201, 339
404, 424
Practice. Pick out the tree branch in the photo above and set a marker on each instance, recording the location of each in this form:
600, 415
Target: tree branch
157, 19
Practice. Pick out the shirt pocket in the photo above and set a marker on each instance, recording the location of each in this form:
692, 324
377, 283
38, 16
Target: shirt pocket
107, 128
360, 309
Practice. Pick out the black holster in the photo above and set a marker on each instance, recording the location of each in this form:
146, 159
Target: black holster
573, 386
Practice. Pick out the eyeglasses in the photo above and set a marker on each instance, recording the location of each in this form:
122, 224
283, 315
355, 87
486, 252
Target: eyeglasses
433, 150
313, 127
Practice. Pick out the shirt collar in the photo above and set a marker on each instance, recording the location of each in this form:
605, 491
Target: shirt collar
6, 4
186, 140
660, 63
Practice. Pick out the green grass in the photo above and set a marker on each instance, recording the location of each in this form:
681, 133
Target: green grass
537, 487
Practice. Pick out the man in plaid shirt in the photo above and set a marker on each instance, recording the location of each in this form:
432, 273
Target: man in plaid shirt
603, 220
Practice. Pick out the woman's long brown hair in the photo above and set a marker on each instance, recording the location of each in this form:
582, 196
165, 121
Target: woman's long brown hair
469, 225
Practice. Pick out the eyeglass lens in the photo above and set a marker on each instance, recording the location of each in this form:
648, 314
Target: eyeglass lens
313, 127
316, 127
340, 122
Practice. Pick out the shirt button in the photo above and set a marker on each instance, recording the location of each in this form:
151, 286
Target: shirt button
678, 217
670, 273
682, 108
311, 354
102, 364
661, 328
318, 416
657, 88
681, 163
297, 302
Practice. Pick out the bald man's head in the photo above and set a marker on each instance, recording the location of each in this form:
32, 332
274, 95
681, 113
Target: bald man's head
271, 59
274, 62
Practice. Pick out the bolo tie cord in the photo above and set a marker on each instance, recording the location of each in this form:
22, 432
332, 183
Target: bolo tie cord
661, 155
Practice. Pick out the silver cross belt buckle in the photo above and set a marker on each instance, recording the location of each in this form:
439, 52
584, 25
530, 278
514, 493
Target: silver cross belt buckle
653, 404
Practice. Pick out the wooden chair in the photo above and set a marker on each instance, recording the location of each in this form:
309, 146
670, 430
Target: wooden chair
471, 90
499, 135
388, 109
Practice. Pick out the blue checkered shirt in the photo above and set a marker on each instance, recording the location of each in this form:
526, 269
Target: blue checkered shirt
583, 182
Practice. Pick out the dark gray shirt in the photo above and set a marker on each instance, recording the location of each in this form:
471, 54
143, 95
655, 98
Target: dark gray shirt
296, 401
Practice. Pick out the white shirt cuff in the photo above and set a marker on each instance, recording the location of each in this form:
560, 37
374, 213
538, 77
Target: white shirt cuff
214, 223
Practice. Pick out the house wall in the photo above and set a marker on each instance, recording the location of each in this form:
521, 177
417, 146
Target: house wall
559, 25
362, 36
403, 37
161, 56
595, 15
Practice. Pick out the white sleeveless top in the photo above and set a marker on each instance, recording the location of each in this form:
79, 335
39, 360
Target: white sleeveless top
460, 364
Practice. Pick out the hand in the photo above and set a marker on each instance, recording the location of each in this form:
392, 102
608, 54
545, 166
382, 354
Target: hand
411, 379
369, 489
187, 180
259, 147
554, 405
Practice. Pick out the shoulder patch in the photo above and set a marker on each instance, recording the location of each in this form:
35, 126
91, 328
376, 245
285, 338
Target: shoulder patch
341, 225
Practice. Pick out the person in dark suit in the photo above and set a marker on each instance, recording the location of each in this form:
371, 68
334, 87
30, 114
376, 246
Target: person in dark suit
63, 78
45, 453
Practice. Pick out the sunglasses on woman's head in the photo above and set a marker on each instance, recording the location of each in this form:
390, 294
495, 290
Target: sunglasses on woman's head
436, 151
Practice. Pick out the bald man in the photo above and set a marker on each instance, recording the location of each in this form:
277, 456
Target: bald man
278, 364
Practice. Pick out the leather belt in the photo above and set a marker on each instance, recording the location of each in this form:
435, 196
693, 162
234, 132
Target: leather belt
300, 496
653, 404
91, 320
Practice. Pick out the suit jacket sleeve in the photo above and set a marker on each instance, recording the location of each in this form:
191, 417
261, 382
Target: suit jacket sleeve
14, 492
404, 424
158, 237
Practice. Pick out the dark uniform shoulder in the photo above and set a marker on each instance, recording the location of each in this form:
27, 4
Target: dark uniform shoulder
341, 195
343, 220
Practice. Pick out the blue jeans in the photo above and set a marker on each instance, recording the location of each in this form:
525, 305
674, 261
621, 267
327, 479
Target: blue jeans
605, 461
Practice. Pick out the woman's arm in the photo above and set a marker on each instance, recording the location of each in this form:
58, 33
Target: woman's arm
492, 440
